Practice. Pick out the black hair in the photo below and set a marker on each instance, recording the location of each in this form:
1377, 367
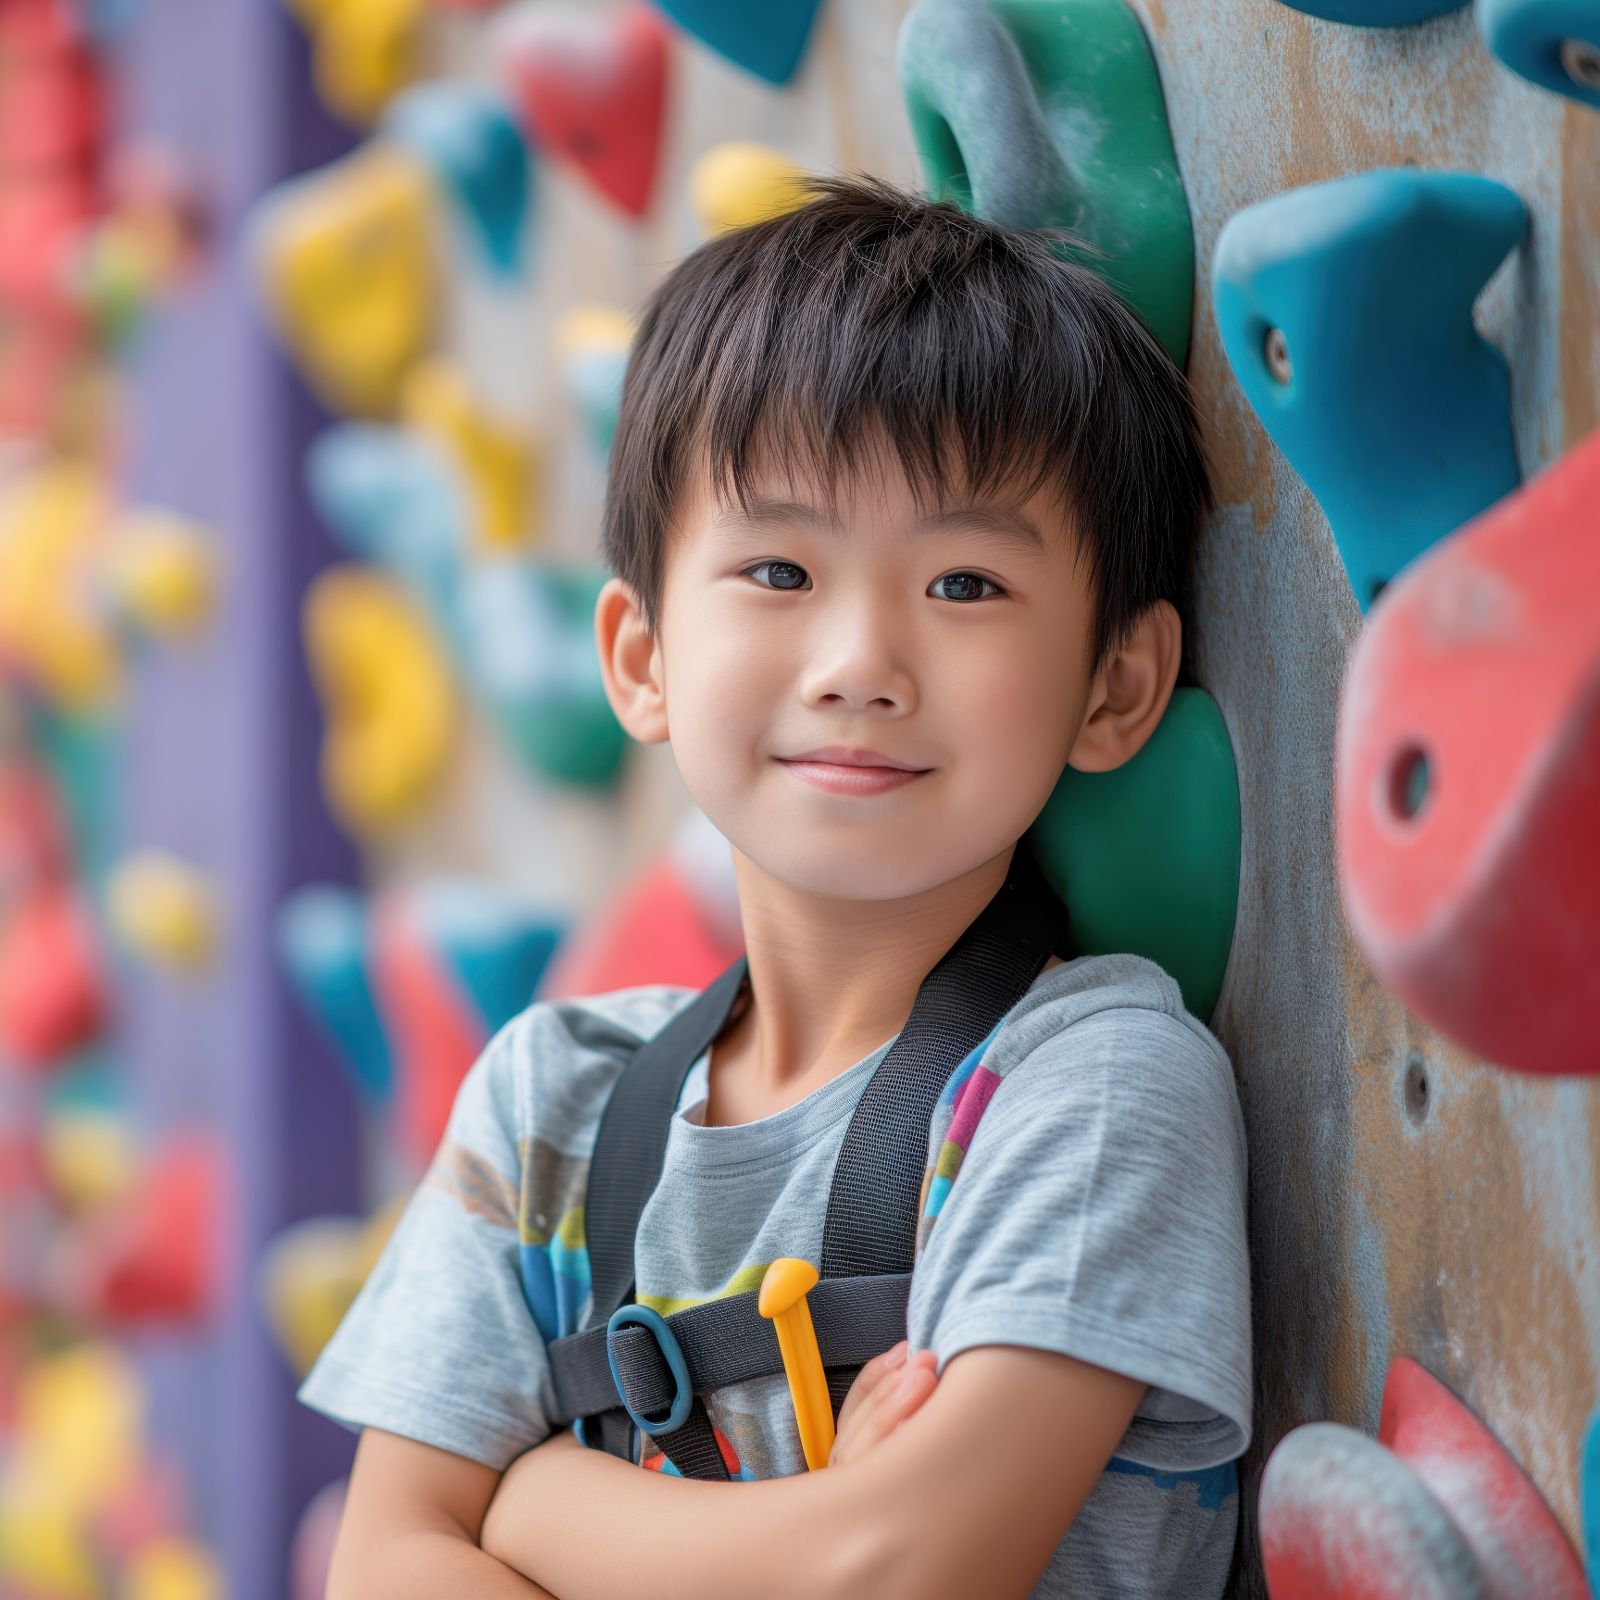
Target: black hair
981, 354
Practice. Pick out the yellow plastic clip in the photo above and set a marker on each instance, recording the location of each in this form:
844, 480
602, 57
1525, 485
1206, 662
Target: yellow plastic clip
782, 1300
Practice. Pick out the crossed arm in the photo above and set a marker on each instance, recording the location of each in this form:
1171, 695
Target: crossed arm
970, 1494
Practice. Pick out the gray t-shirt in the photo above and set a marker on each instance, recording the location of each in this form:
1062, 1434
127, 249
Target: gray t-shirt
1084, 1192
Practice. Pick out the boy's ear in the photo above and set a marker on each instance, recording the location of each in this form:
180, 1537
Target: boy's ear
1128, 695
630, 663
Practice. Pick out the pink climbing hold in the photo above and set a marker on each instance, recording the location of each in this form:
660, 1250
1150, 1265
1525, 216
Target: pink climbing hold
591, 92
654, 932
1468, 778
52, 995
1433, 1509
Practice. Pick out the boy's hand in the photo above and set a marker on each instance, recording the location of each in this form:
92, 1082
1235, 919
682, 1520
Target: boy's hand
886, 1391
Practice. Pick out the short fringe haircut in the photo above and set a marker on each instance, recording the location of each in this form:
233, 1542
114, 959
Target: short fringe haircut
986, 359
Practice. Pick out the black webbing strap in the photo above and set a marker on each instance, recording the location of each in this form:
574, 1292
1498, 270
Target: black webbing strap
870, 1230
871, 1225
723, 1342
623, 1173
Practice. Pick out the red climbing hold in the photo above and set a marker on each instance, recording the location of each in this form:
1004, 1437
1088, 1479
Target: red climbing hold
1469, 778
591, 91
1433, 1509
52, 998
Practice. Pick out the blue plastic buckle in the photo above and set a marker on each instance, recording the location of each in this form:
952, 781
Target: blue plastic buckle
672, 1353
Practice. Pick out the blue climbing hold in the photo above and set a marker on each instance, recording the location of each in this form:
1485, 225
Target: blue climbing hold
1375, 13
768, 39
494, 947
1553, 43
469, 141
390, 497
1346, 313
323, 942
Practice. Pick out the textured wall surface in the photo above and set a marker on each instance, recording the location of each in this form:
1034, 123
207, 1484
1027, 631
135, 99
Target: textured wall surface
1405, 1199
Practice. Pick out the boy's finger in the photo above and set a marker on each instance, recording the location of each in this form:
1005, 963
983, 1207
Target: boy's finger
869, 1381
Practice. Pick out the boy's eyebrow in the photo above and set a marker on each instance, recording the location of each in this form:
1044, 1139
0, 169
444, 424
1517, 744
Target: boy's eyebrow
1001, 523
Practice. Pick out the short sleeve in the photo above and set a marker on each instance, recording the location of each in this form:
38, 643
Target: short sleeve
1100, 1211
439, 1344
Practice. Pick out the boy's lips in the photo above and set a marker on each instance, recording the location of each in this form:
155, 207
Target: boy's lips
838, 755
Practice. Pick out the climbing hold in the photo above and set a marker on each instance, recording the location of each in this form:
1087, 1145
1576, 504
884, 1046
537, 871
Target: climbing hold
392, 498
159, 573
1049, 114
1433, 1509
653, 931
153, 1256
310, 1272
591, 91
345, 258
1375, 13
363, 51
468, 139
53, 523
88, 1145
164, 911
1589, 1494
1346, 313
1553, 43
1468, 778
1146, 857
526, 636
493, 459
451, 963
386, 692
53, 996
735, 184
172, 1568
592, 343
769, 40
323, 944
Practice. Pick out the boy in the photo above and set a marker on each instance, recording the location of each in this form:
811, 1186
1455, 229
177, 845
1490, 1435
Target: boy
901, 511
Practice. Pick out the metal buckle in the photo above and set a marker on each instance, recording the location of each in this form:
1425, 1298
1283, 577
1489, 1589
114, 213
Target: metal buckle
672, 1353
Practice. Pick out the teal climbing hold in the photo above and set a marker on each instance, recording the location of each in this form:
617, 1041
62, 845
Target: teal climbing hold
1375, 13
1146, 857
526, 639
322, 938
1553, 43
1346, 313
768, 39
594, 381
1589, 1497
1049, 114
494, 947
468, 139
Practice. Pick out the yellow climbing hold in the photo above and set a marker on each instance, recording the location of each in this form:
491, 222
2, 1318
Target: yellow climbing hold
386, 691
346, 260
735, 184
364, 51
164, 911
161, 573
172, 1568
495, 460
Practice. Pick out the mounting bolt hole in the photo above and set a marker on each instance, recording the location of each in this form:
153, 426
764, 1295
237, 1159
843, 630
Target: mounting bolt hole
1580, 60
1275, 352
1409, 783
1418, 1091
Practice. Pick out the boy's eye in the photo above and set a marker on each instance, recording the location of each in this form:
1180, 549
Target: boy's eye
783, 570
969, 578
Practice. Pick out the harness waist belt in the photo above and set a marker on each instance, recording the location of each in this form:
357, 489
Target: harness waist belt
723, 1342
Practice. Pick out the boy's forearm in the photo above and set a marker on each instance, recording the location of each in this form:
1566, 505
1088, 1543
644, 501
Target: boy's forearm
591, 1527
425, 1565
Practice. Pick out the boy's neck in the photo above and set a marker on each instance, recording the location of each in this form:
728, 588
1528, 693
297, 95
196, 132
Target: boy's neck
830, 980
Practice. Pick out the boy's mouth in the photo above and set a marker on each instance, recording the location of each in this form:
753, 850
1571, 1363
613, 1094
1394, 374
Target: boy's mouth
838, 755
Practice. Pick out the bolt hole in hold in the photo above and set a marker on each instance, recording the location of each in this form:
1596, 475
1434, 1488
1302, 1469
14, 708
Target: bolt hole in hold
1275, 352
1408, 783
1417, 1088
1580, 60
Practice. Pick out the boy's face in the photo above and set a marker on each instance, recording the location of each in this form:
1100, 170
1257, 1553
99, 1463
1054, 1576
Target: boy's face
955, 642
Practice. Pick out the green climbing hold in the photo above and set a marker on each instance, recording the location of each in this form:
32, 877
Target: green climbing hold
1146, 857
1049, 114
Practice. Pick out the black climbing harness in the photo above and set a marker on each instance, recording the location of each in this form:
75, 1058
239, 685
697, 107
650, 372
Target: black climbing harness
630, 1367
